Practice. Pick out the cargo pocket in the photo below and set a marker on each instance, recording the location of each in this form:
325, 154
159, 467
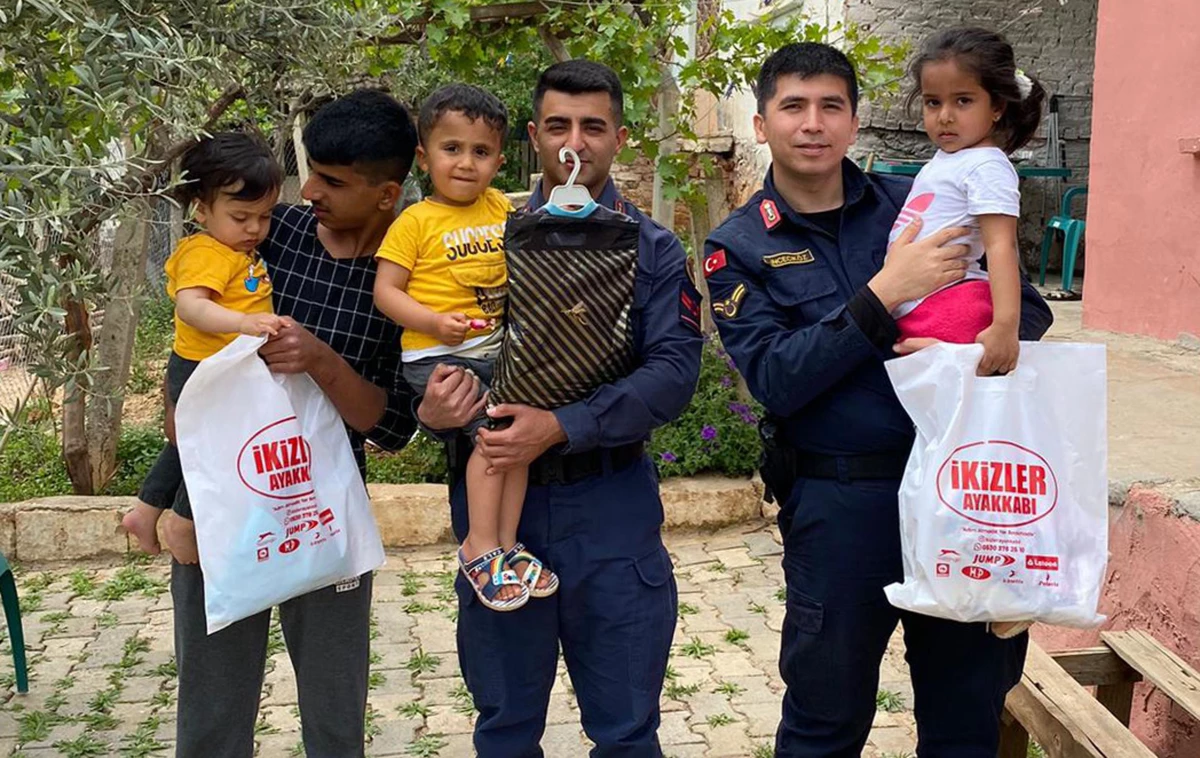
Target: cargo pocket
803, 613
654, 620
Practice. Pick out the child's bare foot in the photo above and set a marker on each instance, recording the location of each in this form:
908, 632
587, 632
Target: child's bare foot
180, 535
470, 552
1006, 630
142, 523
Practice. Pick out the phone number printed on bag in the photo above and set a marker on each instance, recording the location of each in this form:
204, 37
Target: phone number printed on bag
998, 483
276, 461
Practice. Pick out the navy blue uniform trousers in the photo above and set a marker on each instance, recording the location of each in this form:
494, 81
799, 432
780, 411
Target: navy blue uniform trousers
614, 615
840, 551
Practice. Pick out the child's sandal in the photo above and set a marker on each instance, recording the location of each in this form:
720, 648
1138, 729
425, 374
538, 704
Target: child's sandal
534, 570
491, 564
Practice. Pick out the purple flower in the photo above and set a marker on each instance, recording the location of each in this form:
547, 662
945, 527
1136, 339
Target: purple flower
743, 412
708, 432
727, 381
668, 457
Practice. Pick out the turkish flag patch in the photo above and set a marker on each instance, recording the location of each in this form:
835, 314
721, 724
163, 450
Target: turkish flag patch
714, 263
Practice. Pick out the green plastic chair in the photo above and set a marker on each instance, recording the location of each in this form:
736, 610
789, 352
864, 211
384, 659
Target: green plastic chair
1072, 230
12, 613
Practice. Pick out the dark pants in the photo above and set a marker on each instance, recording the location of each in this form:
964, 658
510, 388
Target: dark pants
614, 615
162, 481
221, 675
841, 547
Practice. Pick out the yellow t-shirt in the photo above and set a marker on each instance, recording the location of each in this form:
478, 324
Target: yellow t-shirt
455, 256
238, 281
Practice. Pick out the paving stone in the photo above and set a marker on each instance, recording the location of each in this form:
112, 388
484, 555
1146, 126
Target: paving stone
741, 597
736, 558
762, 719
690, 555
139, 689
674, 730
393, 739
893, 739
729, 741
762, 545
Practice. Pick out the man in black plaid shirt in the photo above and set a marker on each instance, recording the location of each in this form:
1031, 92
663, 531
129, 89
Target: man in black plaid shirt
321, 262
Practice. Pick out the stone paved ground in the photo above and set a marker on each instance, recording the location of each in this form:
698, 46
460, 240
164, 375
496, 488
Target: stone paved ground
103, 676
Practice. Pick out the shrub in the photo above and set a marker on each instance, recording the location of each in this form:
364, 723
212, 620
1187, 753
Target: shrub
717, 432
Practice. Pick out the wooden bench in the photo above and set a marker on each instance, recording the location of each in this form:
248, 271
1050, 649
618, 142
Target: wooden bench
1051, 705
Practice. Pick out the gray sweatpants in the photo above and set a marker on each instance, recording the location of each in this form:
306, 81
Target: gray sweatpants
221, 676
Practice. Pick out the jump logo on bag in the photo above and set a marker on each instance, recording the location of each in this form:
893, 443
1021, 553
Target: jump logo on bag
276, 461
998, 483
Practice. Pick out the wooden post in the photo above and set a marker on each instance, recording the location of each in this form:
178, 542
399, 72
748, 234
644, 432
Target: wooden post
1014, 740
1118, 699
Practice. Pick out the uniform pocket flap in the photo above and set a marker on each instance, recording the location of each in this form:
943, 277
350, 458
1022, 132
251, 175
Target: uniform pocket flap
807, 614
796, 284
654, 569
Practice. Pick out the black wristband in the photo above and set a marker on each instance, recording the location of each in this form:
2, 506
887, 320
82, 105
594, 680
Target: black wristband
873, 319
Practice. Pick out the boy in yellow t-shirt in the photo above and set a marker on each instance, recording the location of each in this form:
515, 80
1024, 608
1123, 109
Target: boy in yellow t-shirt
219, 285
442, 277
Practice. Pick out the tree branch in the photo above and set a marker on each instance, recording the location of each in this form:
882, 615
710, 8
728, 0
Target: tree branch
553, 44
143, 179
481, 14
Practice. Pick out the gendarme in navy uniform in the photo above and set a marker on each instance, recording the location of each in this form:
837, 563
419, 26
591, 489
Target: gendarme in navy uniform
592, 511
791, 301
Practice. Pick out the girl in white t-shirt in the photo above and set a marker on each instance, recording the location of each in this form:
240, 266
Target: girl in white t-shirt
978, 109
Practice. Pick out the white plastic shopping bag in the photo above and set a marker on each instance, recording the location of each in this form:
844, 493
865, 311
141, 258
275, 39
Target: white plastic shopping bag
1004, 504
279, 504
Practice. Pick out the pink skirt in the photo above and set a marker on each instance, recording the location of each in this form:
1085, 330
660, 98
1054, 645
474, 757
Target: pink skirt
955, 314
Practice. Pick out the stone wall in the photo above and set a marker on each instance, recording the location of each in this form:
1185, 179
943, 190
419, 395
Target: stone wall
1056, 45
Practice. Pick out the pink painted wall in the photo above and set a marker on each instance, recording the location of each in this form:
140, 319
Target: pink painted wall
1143, 234
1153, 585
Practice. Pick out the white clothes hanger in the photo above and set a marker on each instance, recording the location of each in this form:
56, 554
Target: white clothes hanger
570, 199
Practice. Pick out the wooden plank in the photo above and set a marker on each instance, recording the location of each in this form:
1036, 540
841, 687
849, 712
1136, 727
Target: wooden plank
1063, 718
1167, 671
1095, 666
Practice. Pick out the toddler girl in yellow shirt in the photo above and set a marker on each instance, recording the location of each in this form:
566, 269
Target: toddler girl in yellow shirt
219, 284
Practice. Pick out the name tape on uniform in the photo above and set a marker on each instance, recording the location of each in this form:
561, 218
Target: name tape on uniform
779, 260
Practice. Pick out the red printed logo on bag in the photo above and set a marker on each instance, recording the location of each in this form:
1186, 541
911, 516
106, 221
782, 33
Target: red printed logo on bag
995, 559
977, 573
288, 546
1042, 562
276, 462
998, 483
943, 569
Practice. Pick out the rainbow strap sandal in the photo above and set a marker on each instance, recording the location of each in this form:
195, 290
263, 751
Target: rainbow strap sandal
533, 571
492, 565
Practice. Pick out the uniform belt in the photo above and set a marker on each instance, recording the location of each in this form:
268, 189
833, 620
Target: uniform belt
850, 467
561, 468
569, 468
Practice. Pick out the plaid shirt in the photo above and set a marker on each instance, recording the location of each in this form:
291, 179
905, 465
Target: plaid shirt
334, 299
